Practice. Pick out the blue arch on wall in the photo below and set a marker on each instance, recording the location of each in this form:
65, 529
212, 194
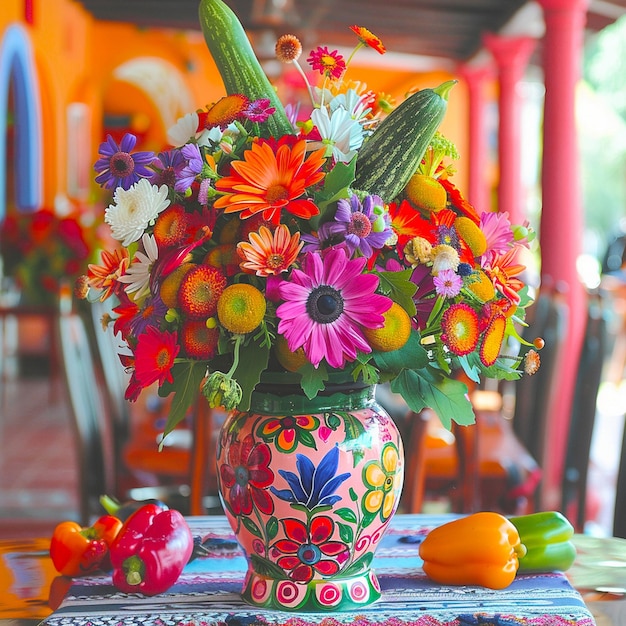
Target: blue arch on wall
17, 69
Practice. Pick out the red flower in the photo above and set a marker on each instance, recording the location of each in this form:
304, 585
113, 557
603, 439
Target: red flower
154, 356
247, 475
305, 550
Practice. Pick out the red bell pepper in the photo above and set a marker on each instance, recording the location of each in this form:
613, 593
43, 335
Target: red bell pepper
151, 550
76, 550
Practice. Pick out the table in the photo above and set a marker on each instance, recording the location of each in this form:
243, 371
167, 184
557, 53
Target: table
208, 592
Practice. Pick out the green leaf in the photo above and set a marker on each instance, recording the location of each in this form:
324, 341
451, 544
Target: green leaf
411, 356
253, 360
356, 439
187, 377
398, 286
272, 527
338, 179
307, 439
251, 527
346, 514
359, 565
446, 397
267, 568
345, 532
313, 379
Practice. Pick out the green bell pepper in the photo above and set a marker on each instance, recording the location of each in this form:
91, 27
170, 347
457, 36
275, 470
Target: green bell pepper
546, 536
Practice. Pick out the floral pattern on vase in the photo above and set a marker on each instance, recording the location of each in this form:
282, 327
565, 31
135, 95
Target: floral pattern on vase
309, 488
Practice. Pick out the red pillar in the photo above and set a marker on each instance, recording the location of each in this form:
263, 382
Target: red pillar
562, 214
478, 188
511, 55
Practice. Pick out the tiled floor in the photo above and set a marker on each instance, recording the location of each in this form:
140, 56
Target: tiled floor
38, 480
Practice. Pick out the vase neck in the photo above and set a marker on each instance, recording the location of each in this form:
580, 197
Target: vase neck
288, 399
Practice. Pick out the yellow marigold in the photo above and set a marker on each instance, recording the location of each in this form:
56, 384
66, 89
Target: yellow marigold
470, 232
395, 332
481, 286
241, 308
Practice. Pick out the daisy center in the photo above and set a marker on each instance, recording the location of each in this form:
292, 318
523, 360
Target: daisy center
275, 261
163, 360
360, 225
309, 553
328, 61
122, 164
324, 304
277, 194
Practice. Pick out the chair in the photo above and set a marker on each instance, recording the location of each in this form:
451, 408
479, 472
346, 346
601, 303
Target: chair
119, 456
590, 369
184, 466
94, 437
496, 463
548, 318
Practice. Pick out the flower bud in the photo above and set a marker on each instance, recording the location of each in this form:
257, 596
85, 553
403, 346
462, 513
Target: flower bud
221, 390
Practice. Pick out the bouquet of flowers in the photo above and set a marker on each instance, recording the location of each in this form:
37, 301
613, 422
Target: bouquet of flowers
41, 249
323, 241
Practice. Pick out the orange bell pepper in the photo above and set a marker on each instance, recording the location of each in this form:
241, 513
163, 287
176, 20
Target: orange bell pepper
76, 551
480, 549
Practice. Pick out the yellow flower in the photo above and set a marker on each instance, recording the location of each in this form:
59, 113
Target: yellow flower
384, 478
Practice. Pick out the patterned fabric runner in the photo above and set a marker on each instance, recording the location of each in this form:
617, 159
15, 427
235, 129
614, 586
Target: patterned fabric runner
208, 592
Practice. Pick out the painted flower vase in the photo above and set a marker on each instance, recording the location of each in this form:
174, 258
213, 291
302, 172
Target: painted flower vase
309, 488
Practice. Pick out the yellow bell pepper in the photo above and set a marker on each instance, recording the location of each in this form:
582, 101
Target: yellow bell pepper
480, 549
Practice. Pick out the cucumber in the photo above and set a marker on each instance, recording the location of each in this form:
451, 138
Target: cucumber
391, 155
237, 63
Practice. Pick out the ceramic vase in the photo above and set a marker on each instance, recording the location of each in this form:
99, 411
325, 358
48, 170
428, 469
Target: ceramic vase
309, 488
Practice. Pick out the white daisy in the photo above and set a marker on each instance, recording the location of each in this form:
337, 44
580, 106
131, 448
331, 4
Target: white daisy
185, 128
135, 209
339, 131
137, 275
354, 103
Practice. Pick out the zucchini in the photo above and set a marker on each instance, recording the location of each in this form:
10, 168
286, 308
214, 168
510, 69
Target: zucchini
392, 154
237, 63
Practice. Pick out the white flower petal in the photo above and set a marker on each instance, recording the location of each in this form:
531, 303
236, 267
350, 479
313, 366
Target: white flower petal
134, 210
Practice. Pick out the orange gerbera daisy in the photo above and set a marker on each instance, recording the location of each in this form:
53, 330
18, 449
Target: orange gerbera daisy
270, 181
368, 38
105, 276
268, 253
503, 269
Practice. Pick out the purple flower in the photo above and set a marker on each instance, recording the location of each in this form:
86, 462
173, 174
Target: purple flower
326, 305
448, 283
151, 312
194, 163
363, 226
168, 165
117, 167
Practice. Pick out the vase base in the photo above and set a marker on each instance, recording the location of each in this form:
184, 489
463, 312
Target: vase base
338, 594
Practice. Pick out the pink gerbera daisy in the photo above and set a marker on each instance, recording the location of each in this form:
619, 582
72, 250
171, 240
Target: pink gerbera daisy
328, 63
497, 230
326, 305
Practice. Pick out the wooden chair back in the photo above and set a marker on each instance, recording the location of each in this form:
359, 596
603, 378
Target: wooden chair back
94, 438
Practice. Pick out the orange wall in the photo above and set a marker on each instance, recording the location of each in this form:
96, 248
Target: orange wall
76, 58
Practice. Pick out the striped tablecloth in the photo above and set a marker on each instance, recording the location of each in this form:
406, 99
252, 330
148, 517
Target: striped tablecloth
207, 593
